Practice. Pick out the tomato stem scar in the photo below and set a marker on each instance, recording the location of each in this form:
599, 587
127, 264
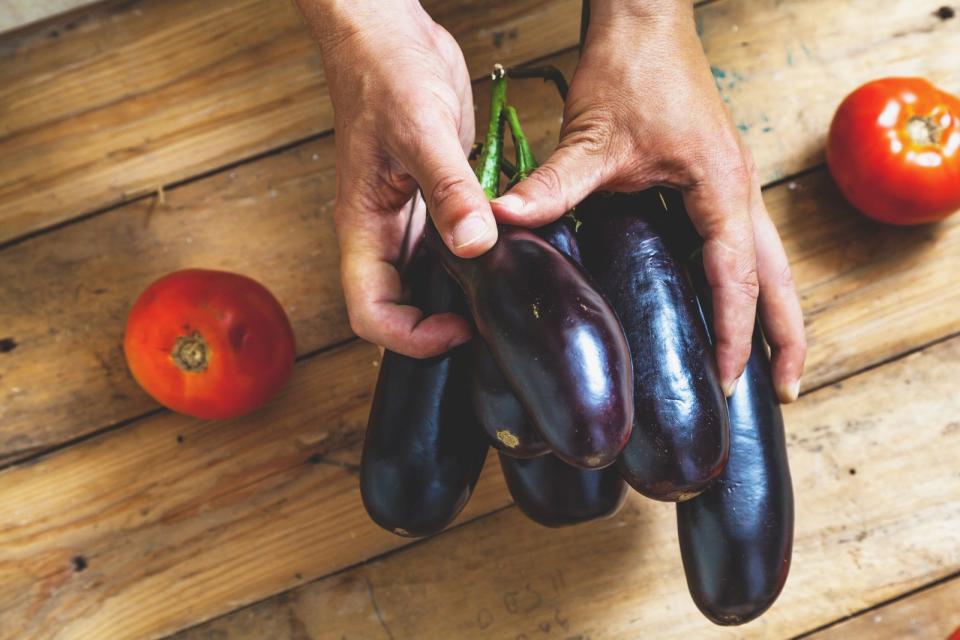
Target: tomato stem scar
923, 130
190, 353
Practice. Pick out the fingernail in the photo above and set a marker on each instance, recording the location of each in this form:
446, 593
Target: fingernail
730, 387
471, 230
509, 203
789, 392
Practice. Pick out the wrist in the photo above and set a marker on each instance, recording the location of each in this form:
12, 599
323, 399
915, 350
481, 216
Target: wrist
335, 21
639, 12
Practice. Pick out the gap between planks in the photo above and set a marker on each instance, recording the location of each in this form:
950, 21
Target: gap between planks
933, 584
481, 517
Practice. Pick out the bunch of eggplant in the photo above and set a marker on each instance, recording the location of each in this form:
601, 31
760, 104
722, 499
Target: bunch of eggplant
592, 367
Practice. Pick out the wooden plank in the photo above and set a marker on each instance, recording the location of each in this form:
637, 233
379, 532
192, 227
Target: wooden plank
204, 84
174, 532
147, 460
864, 534
173, 520
869, 292
97, 110
66, 295
783, 67
932, 613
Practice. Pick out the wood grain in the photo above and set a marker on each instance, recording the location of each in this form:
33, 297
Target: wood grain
932, 613
864, 534
142, 531
142, 94
869, 292
783, 67
67, 294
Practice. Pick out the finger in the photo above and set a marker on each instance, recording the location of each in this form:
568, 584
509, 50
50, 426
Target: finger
374, 299
780, 310
456, 202
571, 174
721, 215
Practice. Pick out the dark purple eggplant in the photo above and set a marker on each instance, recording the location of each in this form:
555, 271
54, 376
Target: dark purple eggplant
680, 438
560, 234
554, 494
556, 339
736, 538
499, 412
424, 449
497, 407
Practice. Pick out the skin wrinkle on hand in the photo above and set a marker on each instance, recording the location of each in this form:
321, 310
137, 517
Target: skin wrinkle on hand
722, 198
627, 126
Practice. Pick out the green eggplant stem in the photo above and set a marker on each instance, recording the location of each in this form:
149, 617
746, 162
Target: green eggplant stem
526, 162
488, 166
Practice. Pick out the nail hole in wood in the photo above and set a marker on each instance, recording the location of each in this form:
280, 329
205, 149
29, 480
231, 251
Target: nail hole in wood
945, 12
79, 563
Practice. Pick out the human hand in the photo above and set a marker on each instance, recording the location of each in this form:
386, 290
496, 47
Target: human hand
643, 110
403, 117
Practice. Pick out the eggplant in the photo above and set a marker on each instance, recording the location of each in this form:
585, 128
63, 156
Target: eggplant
497, 407
561, 236
554, 494
680, 438
736, 538
556, 339
424, 449
499, 412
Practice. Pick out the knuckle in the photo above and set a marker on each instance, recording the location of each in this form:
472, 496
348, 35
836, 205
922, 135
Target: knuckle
591, 134
748, 285
732, 167
548, 178
784, 279
743, 282
720, 162
445, 192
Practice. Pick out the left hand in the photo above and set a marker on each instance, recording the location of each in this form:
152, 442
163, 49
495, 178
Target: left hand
643, 110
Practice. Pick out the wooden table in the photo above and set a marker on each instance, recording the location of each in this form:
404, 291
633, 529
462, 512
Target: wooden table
141, 136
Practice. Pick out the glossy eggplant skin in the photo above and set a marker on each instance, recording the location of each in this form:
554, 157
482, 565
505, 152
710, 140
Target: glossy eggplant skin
424, 449
499, 412
554, 494
497, 407
561, 236
556, 339
680, 438
736, 538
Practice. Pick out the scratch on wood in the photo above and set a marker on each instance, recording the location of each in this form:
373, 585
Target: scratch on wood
376, 609
318, 458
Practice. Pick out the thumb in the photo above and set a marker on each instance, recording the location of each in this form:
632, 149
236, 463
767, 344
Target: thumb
566, 178
458, 206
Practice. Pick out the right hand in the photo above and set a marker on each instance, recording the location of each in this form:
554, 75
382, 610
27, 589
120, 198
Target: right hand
403, 119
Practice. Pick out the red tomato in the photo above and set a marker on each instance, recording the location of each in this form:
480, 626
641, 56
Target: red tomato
894, 150
210, 344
